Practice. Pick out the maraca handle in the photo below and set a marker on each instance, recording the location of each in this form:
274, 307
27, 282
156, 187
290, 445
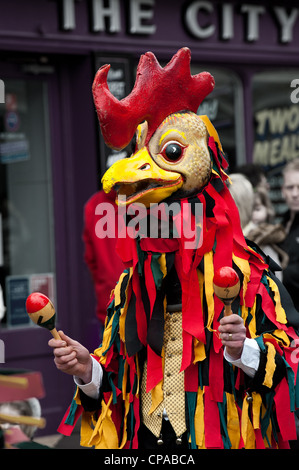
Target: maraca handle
227, 310
55, 334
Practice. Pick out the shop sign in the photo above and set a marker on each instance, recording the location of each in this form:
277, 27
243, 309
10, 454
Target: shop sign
13, 150
118, 81
202, 19
106, 16
201, 22
277, 137
17, 290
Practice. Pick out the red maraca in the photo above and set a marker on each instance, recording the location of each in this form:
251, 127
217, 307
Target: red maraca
226, 284
42, 312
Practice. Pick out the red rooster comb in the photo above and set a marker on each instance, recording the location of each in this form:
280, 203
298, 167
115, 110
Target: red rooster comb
157, 93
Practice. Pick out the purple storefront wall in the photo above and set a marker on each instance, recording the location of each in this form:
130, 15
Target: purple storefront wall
29, 29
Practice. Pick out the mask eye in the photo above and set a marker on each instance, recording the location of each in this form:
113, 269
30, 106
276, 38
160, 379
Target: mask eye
172, 151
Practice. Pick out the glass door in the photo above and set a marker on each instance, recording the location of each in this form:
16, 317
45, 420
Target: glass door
26, 214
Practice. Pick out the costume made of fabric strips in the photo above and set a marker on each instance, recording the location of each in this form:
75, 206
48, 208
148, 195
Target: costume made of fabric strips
224, 408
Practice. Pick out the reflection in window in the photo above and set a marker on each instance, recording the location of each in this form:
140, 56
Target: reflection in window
276, 120
224, 107
26, 241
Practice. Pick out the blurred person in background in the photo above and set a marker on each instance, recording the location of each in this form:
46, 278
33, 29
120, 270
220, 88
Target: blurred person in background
242, 192
290, 192
256, 215
100, 255
265, 233
255, 174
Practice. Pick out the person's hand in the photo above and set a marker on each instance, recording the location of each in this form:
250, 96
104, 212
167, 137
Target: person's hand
71, 357
232, 333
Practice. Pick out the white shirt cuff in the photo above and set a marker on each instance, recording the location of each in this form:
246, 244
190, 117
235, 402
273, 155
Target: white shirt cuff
92, 389
250, 358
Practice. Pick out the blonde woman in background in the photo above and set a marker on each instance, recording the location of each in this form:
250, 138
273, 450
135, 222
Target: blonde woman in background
256, 215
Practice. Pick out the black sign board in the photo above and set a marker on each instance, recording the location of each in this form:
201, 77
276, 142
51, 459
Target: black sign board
120, 84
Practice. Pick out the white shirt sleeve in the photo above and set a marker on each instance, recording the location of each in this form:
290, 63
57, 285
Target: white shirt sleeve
250, 358
92, 389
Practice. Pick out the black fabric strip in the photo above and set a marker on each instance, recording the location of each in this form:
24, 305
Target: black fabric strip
133, 343
155, 332
287, 303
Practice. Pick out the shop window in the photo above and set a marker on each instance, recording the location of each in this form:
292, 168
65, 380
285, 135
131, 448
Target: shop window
224, 107
276, 127
26, 219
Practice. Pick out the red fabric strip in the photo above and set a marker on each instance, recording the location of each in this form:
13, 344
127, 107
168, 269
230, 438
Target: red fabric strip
216, 375
140, 313
159, 245
218, 306
285, 417
275, 344
193, 321
67, 429
213, 438
282, 444
187, 356
291, 356
259, 441
154, 369
191, 378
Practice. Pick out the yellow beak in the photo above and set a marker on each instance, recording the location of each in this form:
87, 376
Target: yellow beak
140, 179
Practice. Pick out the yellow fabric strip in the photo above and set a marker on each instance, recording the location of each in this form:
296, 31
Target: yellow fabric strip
244, 267
77, 396
233, 423
104, 435
199, 420
86, 428
138, 377
125, 378
117, 289
199, 351
157, 396
280, 312
252, 323
270, 365
105, 341
125, 434
267, 439
162, 262
209, 290
211, 129
123, 311
279, 336
256, 409
200, 278
247, 430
